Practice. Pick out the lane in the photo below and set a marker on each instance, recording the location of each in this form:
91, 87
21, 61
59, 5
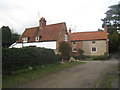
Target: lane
80, 76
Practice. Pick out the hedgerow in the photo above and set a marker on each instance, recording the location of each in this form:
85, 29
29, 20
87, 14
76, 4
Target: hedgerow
14, 59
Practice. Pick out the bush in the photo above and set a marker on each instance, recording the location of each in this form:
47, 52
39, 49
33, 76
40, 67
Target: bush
80, 57
98, 58
80, 52
18, 58
88, 57
101, 57
65, 49
60, 57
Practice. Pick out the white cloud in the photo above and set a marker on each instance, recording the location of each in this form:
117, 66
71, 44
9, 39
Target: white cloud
84, 15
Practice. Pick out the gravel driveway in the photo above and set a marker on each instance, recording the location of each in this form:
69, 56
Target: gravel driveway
80, 76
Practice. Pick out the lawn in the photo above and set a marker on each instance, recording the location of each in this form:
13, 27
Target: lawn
29, 75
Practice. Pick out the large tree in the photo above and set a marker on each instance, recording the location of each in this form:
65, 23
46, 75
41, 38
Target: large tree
114, 42
15, 37
112, 20
8, 37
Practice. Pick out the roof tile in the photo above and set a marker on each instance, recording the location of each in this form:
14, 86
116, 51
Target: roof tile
47, 33
88, 35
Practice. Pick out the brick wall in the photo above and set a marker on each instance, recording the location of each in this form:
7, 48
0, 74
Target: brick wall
78, 45
61, 37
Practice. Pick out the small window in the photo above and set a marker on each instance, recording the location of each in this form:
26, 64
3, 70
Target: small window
74, 43
93, 41
25, 39
74, 49
93, 49
37, 38
28, 38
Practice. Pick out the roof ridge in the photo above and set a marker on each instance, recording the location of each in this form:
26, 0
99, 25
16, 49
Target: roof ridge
33, 27
56, 23
86, 32
46, 25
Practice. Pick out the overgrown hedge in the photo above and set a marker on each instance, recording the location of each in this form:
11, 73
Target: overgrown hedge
19, 58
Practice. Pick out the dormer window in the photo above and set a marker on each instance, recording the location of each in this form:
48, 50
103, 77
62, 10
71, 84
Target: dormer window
37, 38
25, 39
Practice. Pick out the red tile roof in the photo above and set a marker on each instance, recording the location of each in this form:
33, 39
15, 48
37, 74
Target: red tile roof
47, 33
50, 32
88, 35
29, 32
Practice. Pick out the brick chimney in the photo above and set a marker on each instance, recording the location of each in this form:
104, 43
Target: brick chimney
105, 28
42, 22
69, 30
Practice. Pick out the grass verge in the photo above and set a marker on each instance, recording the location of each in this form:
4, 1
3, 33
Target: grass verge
24, 77
108, 78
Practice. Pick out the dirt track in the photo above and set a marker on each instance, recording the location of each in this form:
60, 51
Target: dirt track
80, 76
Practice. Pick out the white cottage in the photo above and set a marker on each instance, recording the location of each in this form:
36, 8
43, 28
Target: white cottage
47, 36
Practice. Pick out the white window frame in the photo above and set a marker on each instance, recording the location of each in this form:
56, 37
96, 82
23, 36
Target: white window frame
73, 49
37, 38
93, 51
25, 39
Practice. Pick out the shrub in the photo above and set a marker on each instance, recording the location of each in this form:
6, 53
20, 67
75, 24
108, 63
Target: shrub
80, 57
88, 57
65, 49
98, 58
101, 57
59, 57
80, 52
17, 58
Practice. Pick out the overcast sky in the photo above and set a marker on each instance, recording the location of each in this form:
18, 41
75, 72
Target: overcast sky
80, 15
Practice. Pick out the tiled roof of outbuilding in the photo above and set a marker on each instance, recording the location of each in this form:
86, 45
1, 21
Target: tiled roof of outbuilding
95, 35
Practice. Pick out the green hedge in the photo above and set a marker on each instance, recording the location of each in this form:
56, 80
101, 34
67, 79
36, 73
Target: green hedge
19, 58
88, 57
80, 57
101, 57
